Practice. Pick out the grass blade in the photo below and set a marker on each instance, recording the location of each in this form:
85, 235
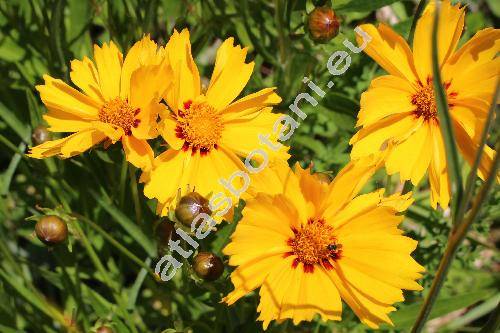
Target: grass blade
133, 230
446, 124
418, 13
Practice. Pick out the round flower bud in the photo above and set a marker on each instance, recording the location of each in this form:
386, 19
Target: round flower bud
323, 24
40, 135
51, 230
208, 266
104, 329
190, 206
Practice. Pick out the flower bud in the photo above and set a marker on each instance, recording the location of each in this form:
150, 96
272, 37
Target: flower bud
208, 266
190, 206
40, 135
323, 24
51, 230
104, 329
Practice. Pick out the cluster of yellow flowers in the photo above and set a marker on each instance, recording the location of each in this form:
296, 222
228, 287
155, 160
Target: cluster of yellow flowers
308, 243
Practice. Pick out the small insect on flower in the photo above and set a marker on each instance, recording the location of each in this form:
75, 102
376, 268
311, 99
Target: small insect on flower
118, 100
308, 244
399, 110
51, 230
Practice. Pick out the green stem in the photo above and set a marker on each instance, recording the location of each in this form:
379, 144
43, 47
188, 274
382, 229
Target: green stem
117, 245
123, 178
471, 179
12, 146
445, 123
278, 16
104, 274
418, 13
456, 237
135, 195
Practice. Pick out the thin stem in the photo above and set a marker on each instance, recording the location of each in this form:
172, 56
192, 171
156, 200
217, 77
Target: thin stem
471, 179
12, 146
104, 274
445, 123
117, 245
456, 237
135, 195
418, 13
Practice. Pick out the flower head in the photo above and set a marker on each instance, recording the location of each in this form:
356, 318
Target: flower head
308, 244
208, 132
399, 109
118, 100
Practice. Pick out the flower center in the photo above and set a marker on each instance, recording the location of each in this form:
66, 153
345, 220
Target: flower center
200, 126
314, 243
118, 112
425, 101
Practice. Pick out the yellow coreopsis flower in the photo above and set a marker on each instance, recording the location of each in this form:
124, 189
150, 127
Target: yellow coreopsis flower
118, 101
399, 109
208, 132
308, 244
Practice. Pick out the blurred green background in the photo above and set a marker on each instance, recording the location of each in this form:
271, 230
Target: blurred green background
93, 279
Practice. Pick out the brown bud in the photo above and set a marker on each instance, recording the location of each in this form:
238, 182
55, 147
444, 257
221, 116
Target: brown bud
190, 206
40, 135
105, 329
51, 230
208, 266
323, 24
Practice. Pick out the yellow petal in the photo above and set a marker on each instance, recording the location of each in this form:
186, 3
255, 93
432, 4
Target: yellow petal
348, 183
411, 157
250, 105
388, 95
230, 74
65, 122
438, 172
61, 98
109, 61
316, 295
138, 152
451, 24
143, 53
241, 135
469, 147
68, 146
167, 128
248, 277
390, 51
186, 79
473, 62
84, 75
369, 311
375, 137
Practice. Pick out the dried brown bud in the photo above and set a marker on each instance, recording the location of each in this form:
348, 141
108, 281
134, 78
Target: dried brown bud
40, 135
208, 266
51, 230
323, 24
190, 206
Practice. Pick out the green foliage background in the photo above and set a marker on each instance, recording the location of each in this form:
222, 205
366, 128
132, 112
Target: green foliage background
98, 277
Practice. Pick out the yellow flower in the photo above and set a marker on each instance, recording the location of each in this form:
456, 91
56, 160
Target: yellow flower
118, 101
308, 244
208, 132
399, 109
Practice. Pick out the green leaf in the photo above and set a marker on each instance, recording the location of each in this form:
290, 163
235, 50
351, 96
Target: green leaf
17, 126
404, 318
360, 5
133, 230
